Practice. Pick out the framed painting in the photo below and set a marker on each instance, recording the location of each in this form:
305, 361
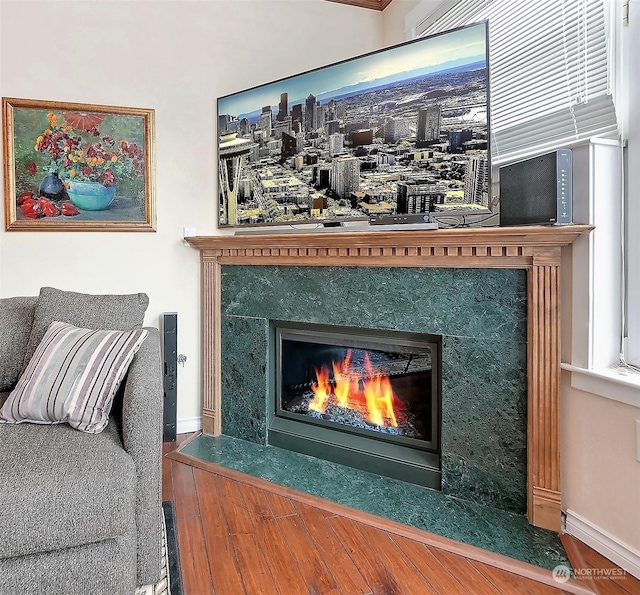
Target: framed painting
77, 167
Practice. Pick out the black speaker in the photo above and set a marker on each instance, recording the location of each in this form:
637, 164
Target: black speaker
537, 191
170, 355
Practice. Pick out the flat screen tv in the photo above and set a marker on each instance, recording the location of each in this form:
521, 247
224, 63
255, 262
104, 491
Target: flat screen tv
401, 130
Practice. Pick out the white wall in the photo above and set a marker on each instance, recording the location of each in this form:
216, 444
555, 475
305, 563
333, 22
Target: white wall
401, 16
395, 18
176, 57
600, 473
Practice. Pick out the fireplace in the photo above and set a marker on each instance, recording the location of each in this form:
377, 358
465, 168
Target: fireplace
479, 463
366, 398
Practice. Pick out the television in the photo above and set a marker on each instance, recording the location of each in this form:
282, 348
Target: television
403, 130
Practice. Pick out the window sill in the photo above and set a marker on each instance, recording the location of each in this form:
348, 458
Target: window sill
606, 383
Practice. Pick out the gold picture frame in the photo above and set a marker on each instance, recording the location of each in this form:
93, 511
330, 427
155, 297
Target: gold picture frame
77, 167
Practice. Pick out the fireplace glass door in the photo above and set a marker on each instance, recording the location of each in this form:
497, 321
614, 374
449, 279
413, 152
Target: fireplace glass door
358, 390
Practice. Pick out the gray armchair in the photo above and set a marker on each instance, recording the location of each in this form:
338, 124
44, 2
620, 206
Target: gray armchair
81, 513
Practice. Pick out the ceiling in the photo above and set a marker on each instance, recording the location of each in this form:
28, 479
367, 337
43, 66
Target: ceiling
372, 4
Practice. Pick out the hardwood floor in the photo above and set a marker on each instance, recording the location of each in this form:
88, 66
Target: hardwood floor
239, 535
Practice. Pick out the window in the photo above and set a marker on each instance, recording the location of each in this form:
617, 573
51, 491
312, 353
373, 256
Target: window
550, 79
560, 76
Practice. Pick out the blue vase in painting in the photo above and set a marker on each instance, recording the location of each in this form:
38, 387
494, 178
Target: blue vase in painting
52, 188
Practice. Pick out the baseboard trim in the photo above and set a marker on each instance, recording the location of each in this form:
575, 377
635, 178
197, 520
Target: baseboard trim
604, 543
186, 425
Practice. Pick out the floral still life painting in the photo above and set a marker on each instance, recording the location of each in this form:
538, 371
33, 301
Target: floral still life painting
79, 167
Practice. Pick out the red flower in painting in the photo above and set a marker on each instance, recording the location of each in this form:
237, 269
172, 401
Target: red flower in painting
68, 209
25, 196
32, 168
48, 208
80, 157
108, 179
31, 209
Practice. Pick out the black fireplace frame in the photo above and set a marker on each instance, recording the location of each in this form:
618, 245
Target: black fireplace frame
412, 460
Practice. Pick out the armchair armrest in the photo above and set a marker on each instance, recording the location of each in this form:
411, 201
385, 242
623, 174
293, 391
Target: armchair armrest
142, 411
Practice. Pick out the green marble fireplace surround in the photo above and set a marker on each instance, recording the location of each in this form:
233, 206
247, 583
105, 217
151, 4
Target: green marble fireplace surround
480, 313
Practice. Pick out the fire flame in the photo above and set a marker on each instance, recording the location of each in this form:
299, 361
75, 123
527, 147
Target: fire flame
370, 393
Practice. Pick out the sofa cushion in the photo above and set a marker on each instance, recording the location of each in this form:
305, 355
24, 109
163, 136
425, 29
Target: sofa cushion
16, 319
73, 377
114, 312
62, 488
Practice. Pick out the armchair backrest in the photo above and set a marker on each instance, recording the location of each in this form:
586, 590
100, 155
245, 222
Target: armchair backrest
16, 320
24, 320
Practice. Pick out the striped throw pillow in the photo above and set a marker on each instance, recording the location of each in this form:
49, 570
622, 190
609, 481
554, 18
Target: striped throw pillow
73, 377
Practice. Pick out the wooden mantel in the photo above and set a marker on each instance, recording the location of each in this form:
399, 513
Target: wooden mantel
536, 249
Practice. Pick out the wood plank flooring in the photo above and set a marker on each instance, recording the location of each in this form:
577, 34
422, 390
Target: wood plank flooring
239, 535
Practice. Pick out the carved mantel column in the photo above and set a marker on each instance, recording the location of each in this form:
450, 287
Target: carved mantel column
536, 249
211, 352
543, 443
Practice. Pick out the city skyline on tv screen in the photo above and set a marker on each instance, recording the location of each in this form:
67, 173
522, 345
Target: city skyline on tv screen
402, 130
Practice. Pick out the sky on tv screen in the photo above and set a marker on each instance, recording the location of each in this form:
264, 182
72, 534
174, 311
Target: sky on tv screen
424, 56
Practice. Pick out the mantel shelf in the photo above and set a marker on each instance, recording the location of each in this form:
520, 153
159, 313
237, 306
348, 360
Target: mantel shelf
546, 235
461, 247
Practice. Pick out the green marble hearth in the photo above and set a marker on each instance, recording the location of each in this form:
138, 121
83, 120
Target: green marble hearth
486, 527
481, 315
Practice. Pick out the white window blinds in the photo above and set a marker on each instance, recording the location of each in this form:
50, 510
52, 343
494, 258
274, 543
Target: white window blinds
549, 71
